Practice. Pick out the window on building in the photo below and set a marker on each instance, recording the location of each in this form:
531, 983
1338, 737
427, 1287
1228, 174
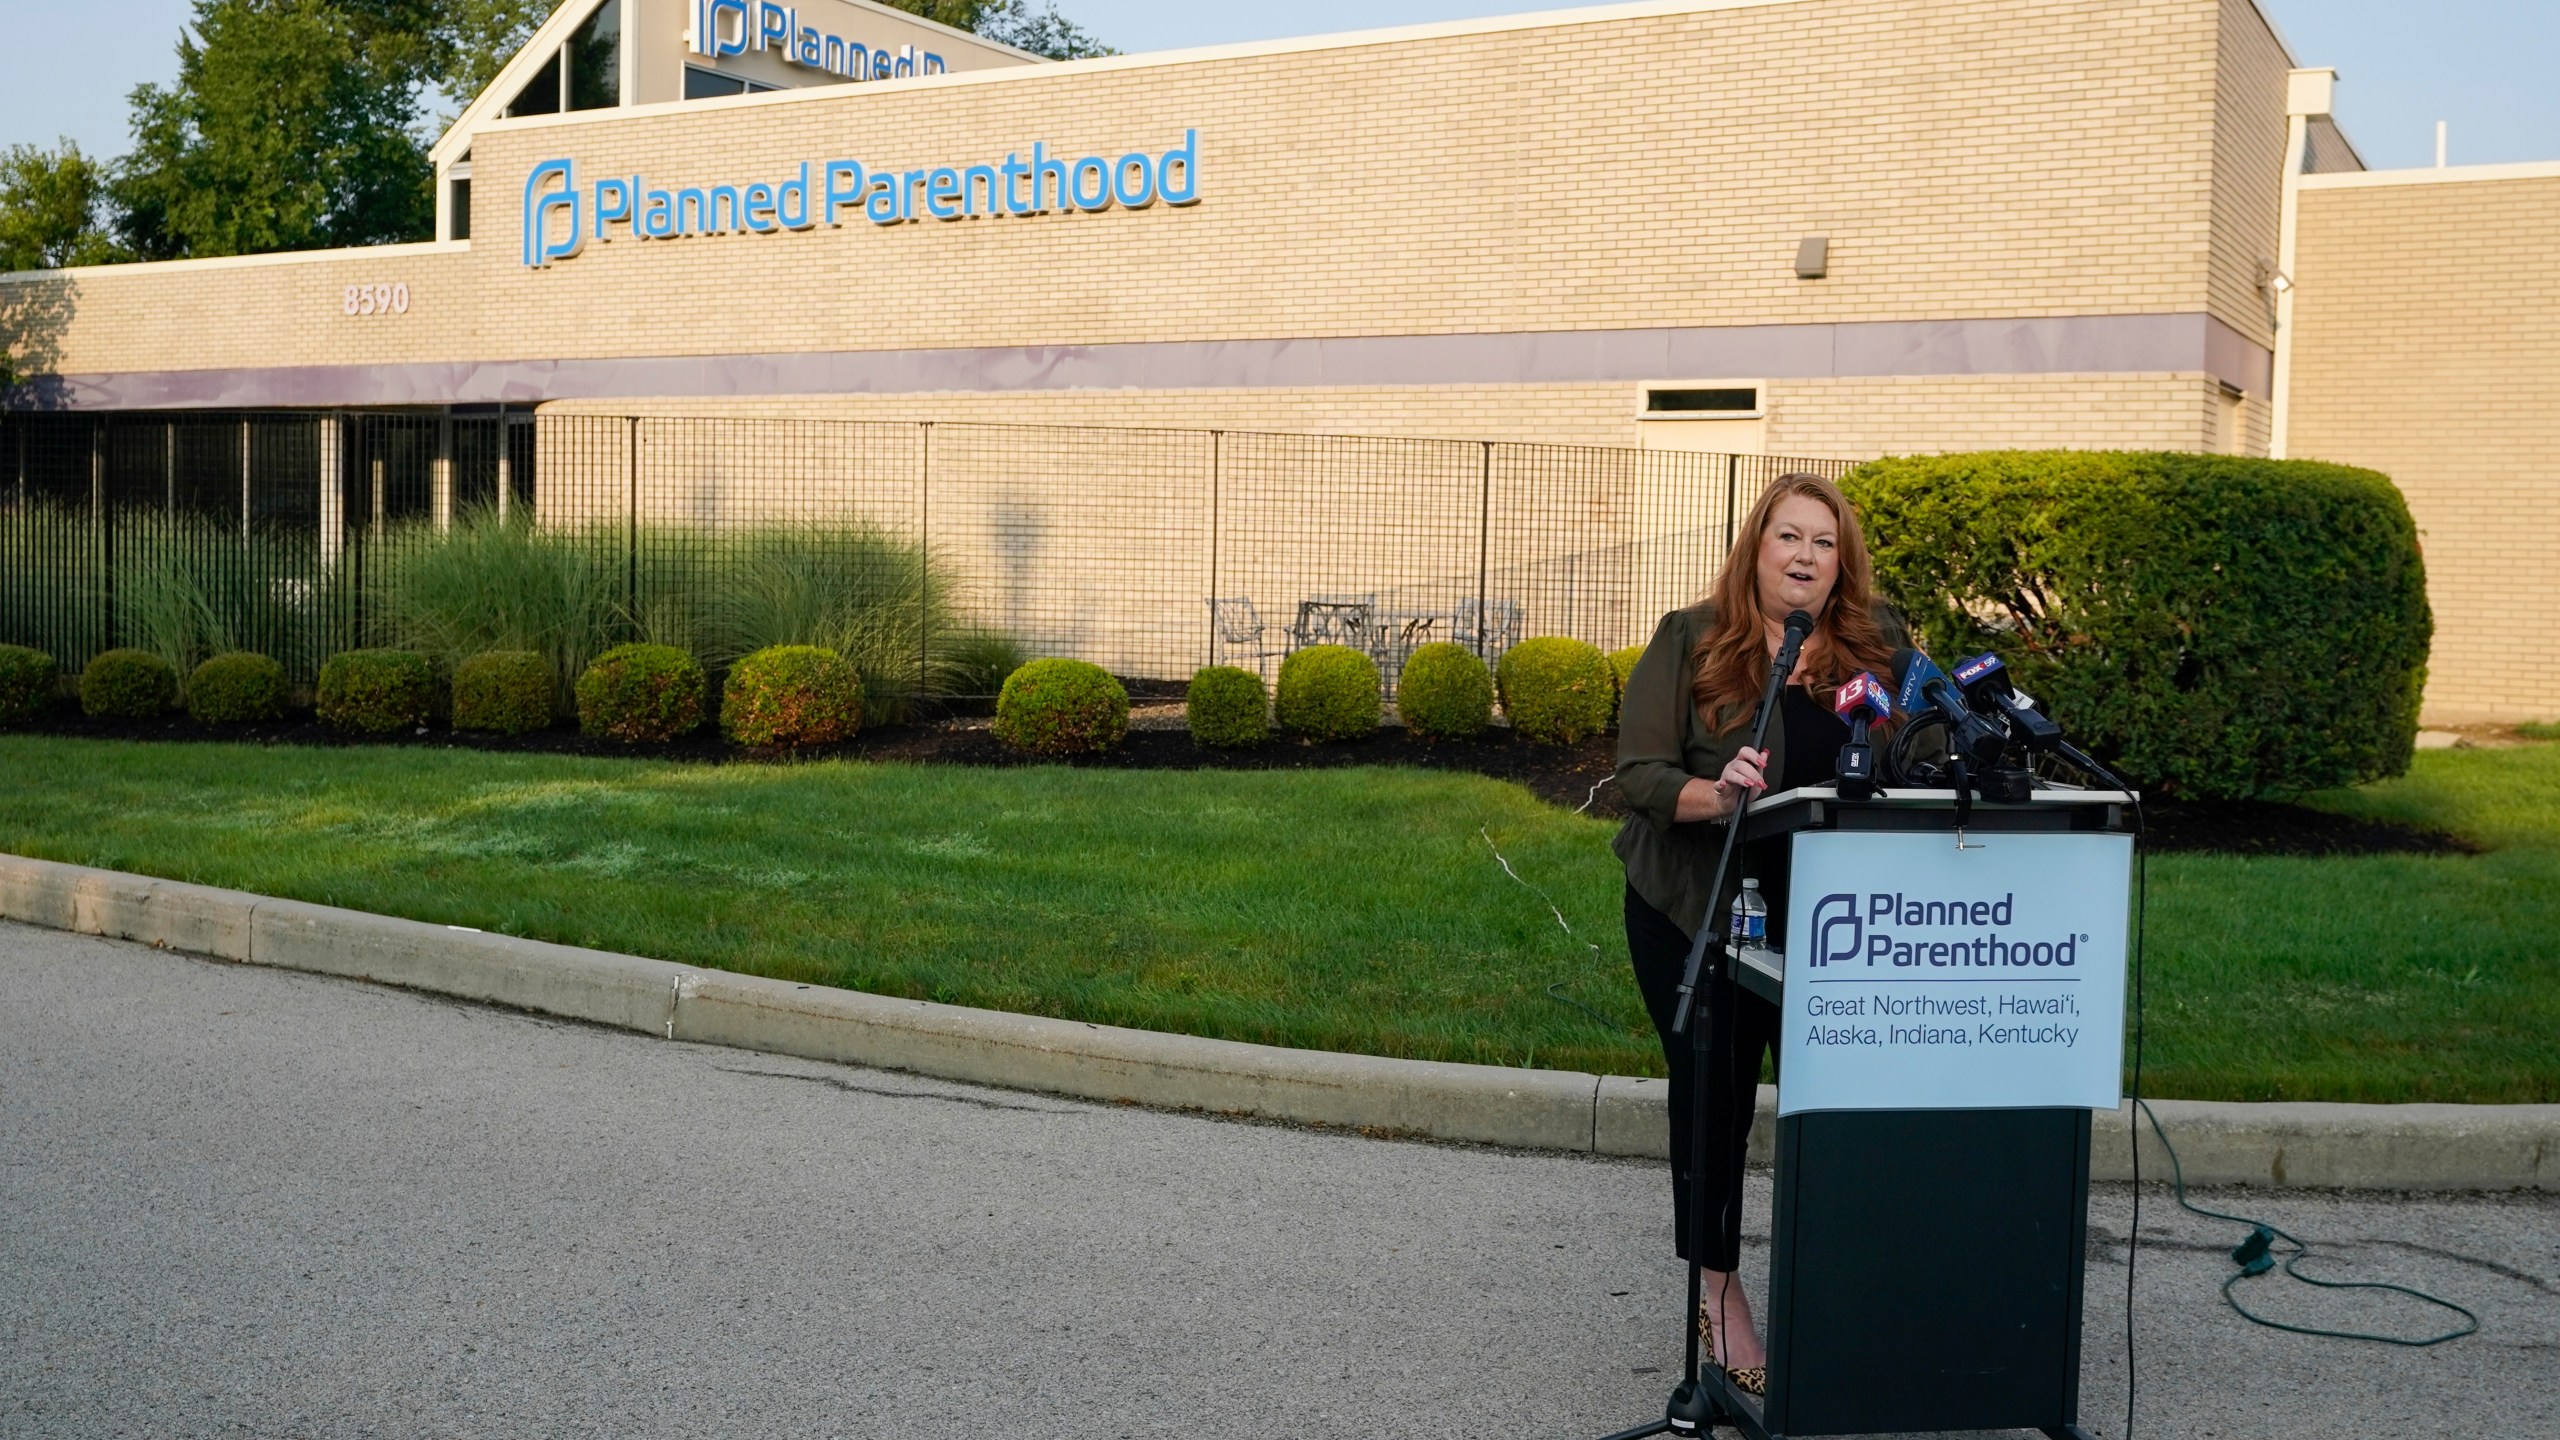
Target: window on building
541, 94
460, 206
1729, 400
711, 84
592, 60
2231, 422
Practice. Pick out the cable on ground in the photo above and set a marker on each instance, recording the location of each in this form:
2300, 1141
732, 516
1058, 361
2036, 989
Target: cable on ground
1555, 991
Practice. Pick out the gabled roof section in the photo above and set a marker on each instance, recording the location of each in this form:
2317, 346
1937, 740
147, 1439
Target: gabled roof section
546, 41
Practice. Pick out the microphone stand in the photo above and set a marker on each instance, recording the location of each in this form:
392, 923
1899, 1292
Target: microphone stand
1694, 1408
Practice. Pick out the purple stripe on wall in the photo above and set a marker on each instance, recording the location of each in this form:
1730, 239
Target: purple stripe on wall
2101, 344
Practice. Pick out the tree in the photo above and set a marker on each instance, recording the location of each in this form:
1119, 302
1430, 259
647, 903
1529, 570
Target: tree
1042, 32
470, 41
52, 204
1013, 22
291, 125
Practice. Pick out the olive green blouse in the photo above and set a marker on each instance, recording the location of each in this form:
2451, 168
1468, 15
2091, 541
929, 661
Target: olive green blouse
1663, 744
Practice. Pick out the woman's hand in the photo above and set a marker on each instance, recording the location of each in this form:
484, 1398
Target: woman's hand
1744, 777
1743, 780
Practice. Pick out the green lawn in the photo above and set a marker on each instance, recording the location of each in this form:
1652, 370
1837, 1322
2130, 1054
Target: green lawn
1347, 909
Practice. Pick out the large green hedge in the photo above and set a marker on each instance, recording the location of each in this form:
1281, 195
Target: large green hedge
2213, 626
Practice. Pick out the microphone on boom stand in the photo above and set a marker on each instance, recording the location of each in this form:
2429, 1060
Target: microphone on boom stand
1988, 688
1799, 624
1862, 702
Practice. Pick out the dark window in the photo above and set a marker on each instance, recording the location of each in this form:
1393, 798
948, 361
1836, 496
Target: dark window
542, 95
1742, 398
706, 84
594, 60
461, 210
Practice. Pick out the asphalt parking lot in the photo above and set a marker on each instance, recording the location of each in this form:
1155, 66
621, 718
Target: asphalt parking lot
244, 1202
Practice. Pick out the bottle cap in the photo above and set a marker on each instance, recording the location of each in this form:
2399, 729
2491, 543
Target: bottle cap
1750, 884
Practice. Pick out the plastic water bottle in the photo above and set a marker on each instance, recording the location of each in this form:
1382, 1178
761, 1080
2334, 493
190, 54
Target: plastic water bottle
1750, 929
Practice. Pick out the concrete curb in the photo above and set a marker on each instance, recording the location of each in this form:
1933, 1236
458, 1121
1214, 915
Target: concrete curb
2376, 1147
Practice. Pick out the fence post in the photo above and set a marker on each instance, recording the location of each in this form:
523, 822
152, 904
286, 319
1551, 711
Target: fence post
631, 531
103, 513
1484, 542
1732, 498
924, 555
1217, 473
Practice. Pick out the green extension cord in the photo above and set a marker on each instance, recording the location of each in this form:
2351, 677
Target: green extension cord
2256, 1255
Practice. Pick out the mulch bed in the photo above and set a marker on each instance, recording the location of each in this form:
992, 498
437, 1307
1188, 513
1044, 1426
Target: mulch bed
1560, 775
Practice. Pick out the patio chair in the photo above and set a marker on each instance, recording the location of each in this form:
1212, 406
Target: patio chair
1237, 630
1336, 620
1487, 627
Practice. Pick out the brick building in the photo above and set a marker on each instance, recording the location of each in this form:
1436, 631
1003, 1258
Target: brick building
1834, 228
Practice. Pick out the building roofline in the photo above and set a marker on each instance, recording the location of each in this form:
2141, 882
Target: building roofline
244, 262
555, 30
2434, 175
1294, 45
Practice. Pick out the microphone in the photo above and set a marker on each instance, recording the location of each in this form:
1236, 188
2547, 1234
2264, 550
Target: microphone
1988, 689
1925, 687
1862, 701
1796, 626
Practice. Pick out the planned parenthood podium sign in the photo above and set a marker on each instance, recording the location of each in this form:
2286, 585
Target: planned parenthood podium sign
1921, 976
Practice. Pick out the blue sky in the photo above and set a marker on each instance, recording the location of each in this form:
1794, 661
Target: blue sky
2486, 66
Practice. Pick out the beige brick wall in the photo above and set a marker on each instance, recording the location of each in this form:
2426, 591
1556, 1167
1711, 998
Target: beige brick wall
1967, 158
2427, 346
2248, 169
1822, 419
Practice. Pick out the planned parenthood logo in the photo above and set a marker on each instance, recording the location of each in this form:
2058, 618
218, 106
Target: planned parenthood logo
1904, 932
561, 217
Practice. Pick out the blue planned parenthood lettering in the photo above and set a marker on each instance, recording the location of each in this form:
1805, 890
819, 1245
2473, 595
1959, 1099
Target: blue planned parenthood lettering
561, 217
722, 28
1849, 928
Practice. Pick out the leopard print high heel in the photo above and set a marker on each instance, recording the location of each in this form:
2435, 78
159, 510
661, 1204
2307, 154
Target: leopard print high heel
1749, 1379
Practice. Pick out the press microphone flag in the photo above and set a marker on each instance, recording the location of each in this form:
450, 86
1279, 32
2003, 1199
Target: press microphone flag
1861, 701
1987, 688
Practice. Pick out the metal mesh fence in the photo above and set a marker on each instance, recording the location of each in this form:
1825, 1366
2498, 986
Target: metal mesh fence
931, 552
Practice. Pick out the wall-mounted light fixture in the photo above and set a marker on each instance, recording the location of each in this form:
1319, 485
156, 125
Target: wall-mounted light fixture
1813, 257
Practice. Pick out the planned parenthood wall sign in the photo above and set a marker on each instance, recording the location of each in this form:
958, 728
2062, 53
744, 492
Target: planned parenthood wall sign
1921, 976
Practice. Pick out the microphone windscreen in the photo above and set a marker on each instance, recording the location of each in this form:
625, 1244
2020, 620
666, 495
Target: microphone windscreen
1799, 623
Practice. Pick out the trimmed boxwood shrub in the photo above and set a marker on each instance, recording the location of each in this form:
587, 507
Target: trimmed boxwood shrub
1328, 692
507, 691
128, 685
28, 680
1557, 690
791, 695
236, 688
1622, 664
1445, 692
2214, 627
641, 695
1227, 708
1061, 707
374, 692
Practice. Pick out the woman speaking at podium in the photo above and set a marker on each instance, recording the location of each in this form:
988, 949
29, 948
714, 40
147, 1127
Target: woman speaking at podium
1685, 767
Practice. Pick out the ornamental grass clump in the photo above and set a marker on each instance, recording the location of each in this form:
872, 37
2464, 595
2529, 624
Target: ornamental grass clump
641, 695
374, 692
490, 584
1227, 708
508, 692
788, 696
28, 680
1445, 693
1061, 707
1556, 690
128, 685
236, 689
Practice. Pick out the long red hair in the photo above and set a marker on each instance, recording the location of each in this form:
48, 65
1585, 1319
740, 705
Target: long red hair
1731, 661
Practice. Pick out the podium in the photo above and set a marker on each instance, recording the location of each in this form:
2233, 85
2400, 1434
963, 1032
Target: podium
1950, 981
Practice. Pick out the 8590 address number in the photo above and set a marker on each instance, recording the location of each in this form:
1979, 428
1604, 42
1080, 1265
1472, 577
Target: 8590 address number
376, 299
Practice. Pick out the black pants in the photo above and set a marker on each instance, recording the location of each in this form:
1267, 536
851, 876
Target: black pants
1660, 948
